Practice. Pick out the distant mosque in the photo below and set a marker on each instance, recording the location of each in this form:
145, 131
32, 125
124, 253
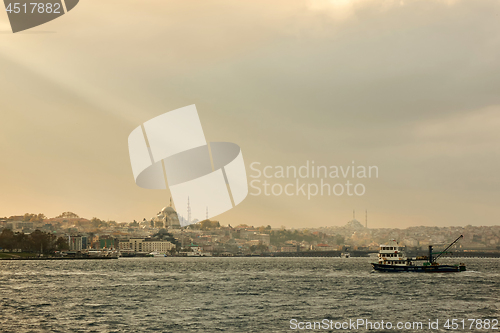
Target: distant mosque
169, 217
355, 224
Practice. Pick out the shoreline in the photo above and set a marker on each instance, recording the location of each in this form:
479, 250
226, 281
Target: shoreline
58, 258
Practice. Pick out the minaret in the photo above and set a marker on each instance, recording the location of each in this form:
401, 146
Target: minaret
366, 219
353, 214
207, 212
189, 212
170, 201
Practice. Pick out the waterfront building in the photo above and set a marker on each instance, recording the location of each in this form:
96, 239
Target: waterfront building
253, 242
247, 233
18, 226
107, 243
77, 243
324, 247
265, 239
289, 248
146, 245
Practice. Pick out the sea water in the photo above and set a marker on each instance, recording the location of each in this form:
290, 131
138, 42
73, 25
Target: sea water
253, 294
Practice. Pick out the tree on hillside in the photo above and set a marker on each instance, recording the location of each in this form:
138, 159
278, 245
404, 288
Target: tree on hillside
37, 241
98, 223
165, 235
7, 239
62, 244
40, 241
34, 217
68, 215
339, 239
281, 236
21, 240
208, 225
259, 248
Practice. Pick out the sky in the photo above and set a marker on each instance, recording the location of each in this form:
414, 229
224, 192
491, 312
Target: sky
411, 87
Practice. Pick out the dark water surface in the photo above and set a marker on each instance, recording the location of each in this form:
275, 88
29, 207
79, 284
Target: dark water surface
236, 294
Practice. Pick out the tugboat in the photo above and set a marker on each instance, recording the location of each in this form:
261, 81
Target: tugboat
392, 259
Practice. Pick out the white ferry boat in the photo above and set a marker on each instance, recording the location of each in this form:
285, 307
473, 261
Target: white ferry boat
157, 254
391, 258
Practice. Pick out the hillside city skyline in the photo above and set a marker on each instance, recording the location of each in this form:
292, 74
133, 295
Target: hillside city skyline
211, 236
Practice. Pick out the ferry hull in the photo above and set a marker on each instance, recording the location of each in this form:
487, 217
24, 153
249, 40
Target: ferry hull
420, 269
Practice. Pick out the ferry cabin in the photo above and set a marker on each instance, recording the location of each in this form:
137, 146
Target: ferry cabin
391, 255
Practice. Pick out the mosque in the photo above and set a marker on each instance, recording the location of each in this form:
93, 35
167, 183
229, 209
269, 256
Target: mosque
169, 217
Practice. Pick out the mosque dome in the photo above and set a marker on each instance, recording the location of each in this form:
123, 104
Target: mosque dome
168, 210
354, 224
